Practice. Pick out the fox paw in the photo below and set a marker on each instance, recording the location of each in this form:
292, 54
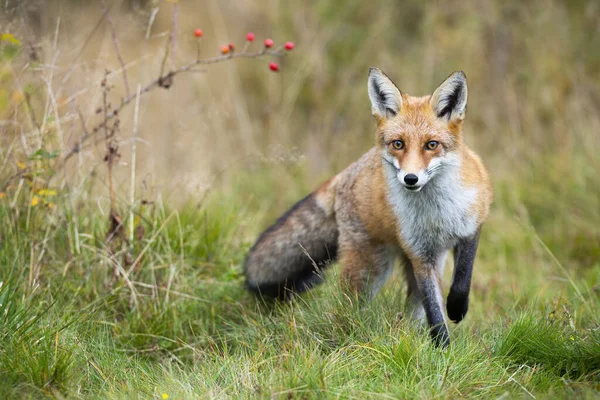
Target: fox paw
439, 336
457, 306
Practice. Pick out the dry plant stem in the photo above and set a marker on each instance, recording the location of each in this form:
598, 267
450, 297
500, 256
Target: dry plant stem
170, 44
31, 112
109, 147
12, 177
165, 56
160, 82
151, 22
173, 31
115, 236
116, 45
82, 121
133, 162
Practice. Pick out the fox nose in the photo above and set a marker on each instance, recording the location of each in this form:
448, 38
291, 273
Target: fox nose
411, 179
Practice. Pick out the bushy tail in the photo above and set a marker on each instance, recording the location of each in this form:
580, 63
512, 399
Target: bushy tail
288, 256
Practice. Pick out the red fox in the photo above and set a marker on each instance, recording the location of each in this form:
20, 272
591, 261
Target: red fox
417, 194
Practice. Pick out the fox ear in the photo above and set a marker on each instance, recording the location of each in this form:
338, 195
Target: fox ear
386, 98
449, 100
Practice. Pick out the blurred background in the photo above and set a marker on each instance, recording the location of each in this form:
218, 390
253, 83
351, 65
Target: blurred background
533, 70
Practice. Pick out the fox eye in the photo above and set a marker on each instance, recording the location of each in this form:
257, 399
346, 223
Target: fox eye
398, 144
432, 145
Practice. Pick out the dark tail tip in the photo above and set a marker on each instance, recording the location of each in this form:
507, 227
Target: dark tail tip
285, 291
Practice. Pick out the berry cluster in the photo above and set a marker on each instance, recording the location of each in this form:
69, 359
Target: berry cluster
268, 43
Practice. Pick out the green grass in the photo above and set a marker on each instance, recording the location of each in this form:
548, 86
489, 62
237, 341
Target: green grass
182, 324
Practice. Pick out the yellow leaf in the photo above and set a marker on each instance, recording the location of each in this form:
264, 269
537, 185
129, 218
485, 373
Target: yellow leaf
35, 201
2, 195
47, 192
9, 37
21, 165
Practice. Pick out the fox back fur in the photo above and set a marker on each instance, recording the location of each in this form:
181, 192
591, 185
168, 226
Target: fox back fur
419, 193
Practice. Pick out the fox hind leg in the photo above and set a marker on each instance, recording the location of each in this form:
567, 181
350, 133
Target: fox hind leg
366, 268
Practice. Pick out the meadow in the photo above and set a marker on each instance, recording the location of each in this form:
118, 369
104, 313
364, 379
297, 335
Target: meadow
121, 246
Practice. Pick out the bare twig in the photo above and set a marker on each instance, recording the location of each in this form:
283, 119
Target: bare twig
12, 177
173, 31
151, 22
165, 56
115, 231
110, 146
160, 82
170, 45
31, 112
82, 120
116, 45
56, 33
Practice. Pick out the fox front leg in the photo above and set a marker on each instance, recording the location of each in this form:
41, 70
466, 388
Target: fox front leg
458, 298
430, 289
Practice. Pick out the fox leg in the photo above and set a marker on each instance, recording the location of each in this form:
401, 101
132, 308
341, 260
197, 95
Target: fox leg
429, 283
413, 297
366, 267
458, 298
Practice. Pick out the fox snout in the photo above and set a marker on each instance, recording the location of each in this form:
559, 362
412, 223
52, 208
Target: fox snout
411, 181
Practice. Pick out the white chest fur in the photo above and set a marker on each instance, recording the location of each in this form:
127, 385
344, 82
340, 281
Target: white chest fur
433, 219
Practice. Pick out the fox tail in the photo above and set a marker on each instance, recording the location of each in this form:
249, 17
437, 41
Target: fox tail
288, 257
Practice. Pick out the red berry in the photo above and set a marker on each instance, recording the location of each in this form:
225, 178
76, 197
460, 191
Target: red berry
268, 43
224, 49
289, 45
250, 36
273, 67
198, 32
231, 46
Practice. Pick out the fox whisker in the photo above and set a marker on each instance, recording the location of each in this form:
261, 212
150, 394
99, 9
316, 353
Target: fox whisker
388, 161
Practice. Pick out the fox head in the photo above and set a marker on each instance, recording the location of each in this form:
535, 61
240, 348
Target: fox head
418, 136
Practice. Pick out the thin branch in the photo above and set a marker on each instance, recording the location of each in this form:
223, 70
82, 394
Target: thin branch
170, 44
82, 120
151, 22
31, 111
173, 31
116, 45
12, 177
56, 33
164, 81
111, 151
